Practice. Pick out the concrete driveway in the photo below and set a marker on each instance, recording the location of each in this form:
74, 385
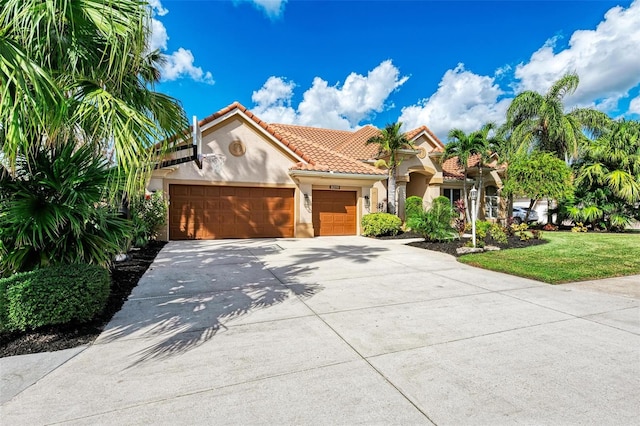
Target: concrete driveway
342, 330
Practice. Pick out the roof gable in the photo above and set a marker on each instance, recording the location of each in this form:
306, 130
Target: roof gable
337, 151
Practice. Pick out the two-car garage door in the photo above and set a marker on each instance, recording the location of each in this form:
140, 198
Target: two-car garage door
204, 212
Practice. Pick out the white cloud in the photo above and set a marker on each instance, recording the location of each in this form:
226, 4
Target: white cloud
272, 8
273, 101
276, 91
335, 107
179, 63
158, 38
157, 7
634, 106
605, 59
464, 100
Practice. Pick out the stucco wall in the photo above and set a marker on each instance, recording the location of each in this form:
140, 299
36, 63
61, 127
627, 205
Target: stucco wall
262, 162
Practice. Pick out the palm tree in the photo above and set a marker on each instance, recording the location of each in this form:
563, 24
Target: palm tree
463, 146
390, 141
608, 177
81, 70
539, 121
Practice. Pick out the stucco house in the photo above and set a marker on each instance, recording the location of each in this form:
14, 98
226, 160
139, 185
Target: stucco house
244, 178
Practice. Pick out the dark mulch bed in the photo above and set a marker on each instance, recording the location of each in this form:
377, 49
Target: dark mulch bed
124, 277
450, 247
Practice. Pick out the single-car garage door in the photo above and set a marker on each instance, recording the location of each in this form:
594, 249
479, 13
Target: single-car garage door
200, 212
334, 212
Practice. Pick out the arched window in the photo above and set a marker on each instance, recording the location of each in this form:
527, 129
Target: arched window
491, 202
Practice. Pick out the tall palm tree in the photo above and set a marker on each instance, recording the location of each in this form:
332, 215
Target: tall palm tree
81, 70
390, 141
539, 121
463, 146
610, 166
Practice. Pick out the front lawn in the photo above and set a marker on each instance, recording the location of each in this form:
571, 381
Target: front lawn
567, 257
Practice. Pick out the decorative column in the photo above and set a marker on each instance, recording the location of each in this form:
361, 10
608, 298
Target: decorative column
401, 194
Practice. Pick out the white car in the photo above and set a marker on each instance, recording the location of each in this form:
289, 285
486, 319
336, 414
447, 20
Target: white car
519, 213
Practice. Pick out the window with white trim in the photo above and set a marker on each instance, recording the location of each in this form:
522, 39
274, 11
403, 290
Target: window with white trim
491, 202
452, 194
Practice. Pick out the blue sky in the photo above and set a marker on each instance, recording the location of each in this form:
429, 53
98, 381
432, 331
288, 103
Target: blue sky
444, 64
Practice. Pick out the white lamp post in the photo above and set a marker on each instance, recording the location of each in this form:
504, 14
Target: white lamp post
474, 197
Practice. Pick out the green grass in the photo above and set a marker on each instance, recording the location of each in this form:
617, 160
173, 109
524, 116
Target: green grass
567, 257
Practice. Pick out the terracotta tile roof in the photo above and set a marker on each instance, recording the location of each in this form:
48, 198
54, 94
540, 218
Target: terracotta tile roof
326, 150
323, 146
451, 169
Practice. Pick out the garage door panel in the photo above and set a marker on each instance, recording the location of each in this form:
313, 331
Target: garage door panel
334, 212
210, 212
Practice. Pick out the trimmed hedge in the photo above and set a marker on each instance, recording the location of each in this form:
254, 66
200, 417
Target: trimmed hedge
53, 295
380, 224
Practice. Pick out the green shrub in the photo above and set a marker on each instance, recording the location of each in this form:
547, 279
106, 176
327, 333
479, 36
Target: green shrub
435, 223
482, 228
148, 214
485, 229
579, 228
413, 206
498, 233
380, 224
53, 295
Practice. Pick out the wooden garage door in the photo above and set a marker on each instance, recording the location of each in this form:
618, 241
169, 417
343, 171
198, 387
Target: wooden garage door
334, 212
210, 212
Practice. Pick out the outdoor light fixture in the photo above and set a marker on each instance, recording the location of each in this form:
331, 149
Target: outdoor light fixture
367, 202
474, 196
307, 202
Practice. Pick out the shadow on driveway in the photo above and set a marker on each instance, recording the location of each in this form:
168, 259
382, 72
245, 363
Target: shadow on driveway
194, 288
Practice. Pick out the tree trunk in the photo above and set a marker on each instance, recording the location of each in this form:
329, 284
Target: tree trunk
480, 193
391, 191
531, 204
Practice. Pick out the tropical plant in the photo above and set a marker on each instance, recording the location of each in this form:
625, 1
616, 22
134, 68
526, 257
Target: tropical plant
463, 147
607, 181
53, 211
390, 141
539, 175
413, 206
539, 121
613, 160
81, 71
435, 223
